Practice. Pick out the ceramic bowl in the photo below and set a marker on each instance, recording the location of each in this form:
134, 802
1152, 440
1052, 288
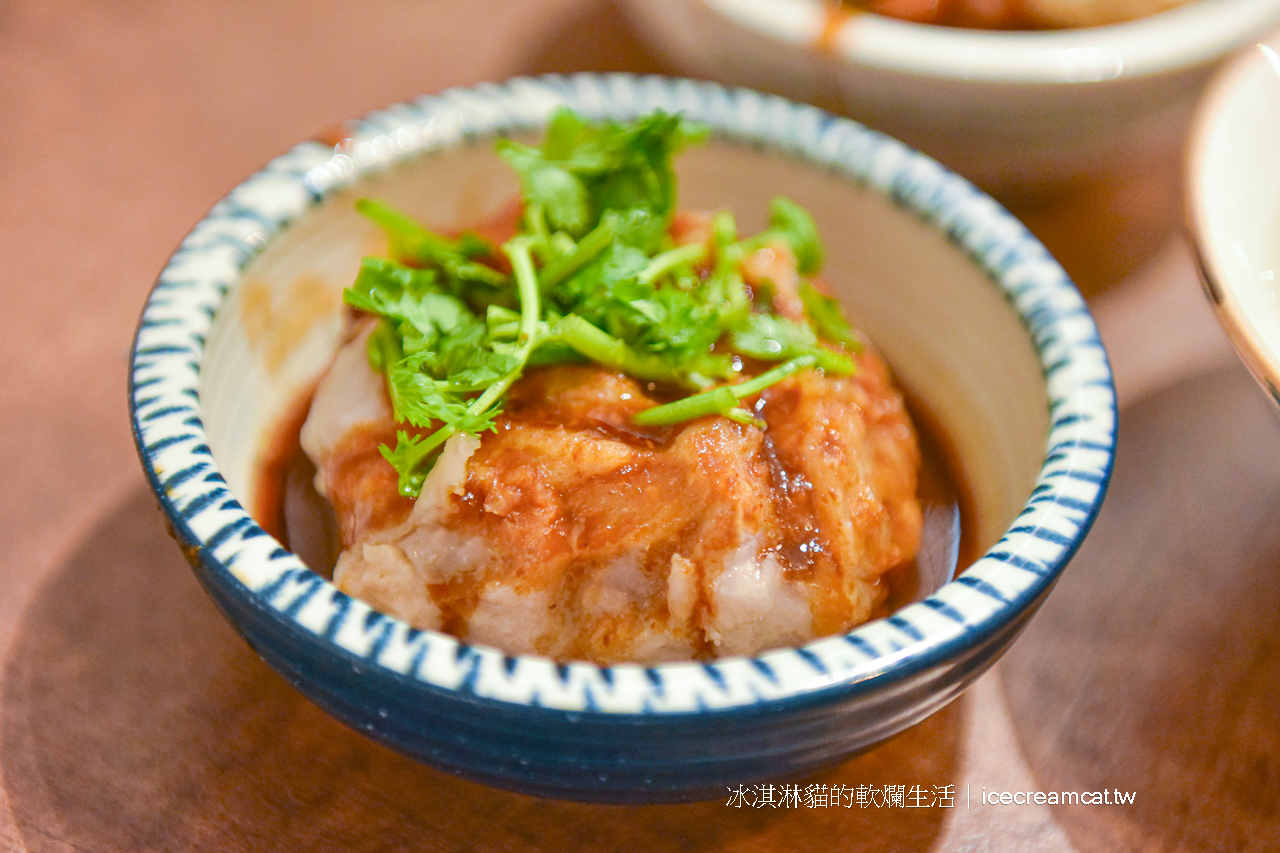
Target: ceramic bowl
1016, 112
979, 323
1233, 202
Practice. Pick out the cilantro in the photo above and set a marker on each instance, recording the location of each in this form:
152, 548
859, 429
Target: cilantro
827, 317
724, 399
771, 338
411, 243
593, 277
582, 170
792, 224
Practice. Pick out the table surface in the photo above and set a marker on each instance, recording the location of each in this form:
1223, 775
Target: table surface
124, 121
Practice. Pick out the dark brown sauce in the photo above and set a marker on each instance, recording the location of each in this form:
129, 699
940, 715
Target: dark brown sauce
285, 501
947, 543
286, 504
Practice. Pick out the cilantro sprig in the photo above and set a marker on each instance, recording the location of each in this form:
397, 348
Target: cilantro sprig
592, 275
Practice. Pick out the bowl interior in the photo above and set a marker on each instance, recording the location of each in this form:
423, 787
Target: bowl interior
949, 334
1234, 193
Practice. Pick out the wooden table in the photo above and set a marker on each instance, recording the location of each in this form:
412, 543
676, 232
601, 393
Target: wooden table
132, 717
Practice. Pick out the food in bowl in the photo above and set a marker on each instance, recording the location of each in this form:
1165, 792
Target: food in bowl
1016, 14
1019, 112
602, 428
980, 325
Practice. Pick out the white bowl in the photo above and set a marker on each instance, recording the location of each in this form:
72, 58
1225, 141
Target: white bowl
977, 320
1233, 197
1012, 111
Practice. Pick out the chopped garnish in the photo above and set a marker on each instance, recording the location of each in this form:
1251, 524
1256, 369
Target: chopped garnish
722, 400
595, 276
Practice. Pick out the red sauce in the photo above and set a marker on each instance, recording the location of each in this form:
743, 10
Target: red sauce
285, 501
967, 14
552, 500
949, 510
287, 505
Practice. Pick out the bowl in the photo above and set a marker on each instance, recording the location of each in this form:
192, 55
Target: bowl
1233, 204
978, 321
1018, 112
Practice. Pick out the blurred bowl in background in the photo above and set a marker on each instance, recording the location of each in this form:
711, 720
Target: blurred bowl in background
1014, 111
1233, 204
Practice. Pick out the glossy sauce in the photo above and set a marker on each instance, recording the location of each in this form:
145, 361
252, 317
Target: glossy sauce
287, 505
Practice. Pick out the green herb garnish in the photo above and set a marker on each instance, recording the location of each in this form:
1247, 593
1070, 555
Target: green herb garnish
594, 277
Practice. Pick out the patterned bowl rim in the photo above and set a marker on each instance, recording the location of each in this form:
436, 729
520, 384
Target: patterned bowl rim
165, 410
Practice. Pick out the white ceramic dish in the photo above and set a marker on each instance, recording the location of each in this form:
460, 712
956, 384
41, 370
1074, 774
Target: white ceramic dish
1013, 111
975, 317
1233, 197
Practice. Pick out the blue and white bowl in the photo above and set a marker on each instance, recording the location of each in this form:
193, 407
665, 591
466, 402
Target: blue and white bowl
977, 320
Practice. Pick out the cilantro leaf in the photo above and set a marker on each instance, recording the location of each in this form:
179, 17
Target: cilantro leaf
723, 399
828, 318
593, 275
791, 224
583, 170
407, 458
454, 260
771, 338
